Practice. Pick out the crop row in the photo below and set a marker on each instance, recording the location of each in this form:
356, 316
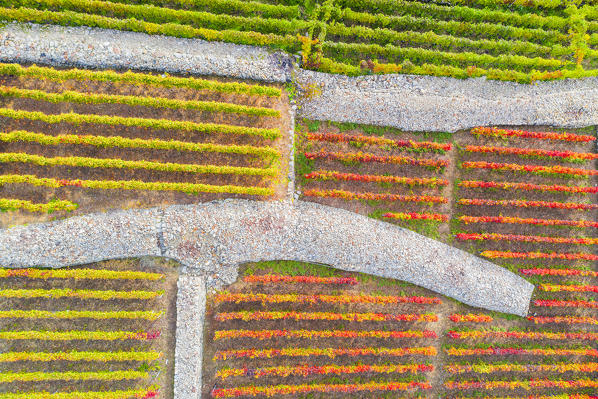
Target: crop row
143, 393
309, 334
485, 368
79, 335
532, 152
155, 102
307, 370
349, 195
329, 352
418, 146
568, 304
428, 68
557, 170
558, 272
135, 78
461, 11
496, 48
416, 216
523, 238
292, 315
563, 319
285, 41
409, 181
125, 142
281, 278
467, 21
452, 351
541, 335
90, 162
75, 356
276, 390
10, 204
533, 221
78, 314
470, 318
189, 188
116, 375
149, 123
165, 16
528, 187
419, 55
82, 294
317, 298
525, 384
539, 255
88, 274
527, 204
568, 287
385, 159
504, 133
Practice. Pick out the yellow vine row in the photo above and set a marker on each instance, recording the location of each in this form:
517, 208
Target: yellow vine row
83, 294
125, 142
128, 394
88, 162
117, 375
136, 78
74, 356
149, 123
91, 274
78, 335
10, 204
156, 102
189, 188
78, 314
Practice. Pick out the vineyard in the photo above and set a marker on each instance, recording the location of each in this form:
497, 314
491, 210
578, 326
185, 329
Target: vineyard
75, 141
289, 330
521, 40
524, 199
99, 331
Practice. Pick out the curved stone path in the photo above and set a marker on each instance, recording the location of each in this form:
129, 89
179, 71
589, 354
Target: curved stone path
405, 101
213, 238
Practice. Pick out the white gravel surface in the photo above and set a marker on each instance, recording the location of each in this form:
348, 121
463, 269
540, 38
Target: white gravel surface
212, 239
191, 308
415, 103
405, 101
104, 48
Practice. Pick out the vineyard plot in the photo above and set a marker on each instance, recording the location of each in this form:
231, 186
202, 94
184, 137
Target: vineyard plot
517, 41
76, 141
320, 335
523, 198
105, 329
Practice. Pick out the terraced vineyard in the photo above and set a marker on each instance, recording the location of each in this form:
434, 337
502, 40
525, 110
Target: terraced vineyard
527, 201
93, 140
100, 331
521, 41
290, 330
523, 199
278, 335
358, 169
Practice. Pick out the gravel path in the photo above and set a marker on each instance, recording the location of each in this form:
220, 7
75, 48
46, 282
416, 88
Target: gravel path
191, 308
212, 239
405, 101
429, 103
103, 48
